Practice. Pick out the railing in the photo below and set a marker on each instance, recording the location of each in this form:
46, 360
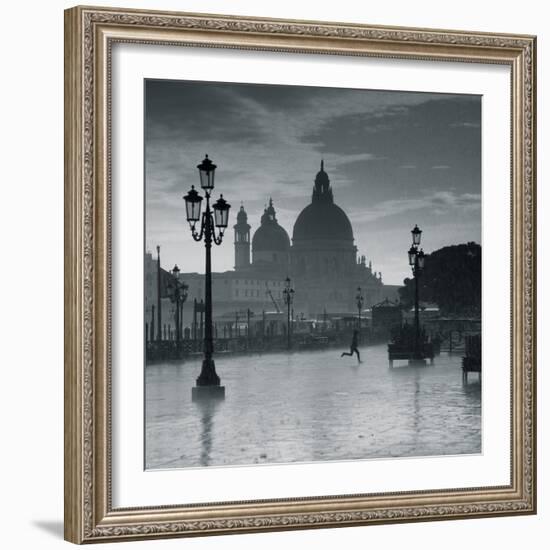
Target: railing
169, 350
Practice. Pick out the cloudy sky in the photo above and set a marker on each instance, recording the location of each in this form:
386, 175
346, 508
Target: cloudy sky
394, 159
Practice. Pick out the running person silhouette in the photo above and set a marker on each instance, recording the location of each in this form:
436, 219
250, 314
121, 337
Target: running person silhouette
353, 348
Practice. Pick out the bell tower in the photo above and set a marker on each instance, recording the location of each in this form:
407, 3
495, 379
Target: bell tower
242, 240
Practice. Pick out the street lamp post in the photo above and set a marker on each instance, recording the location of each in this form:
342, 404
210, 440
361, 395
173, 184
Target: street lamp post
288, 294
208, 382
359, 300
416, 261
179, 296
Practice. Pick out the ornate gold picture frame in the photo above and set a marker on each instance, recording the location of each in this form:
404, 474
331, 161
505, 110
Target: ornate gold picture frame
90, 34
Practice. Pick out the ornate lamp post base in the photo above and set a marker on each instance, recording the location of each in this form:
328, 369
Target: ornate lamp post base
208, 383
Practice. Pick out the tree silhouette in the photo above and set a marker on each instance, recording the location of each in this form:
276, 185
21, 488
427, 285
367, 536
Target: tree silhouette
451, 278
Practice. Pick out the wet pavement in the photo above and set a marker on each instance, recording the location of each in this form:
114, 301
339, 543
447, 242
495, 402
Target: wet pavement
314, 406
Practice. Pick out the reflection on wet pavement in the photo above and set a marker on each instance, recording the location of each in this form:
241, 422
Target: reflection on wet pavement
305, 407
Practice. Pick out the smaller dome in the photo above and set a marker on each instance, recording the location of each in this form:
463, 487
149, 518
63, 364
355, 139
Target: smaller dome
270, 236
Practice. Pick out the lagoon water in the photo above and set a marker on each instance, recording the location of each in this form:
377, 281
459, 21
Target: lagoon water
310, 406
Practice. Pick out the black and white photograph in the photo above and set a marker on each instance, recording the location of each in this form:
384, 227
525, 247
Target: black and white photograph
312, 274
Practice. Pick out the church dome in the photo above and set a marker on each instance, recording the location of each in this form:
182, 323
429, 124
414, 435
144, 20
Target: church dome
270, 236
322, 219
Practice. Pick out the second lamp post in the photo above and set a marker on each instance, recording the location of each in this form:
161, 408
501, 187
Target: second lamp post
359, 300
416, 261
178, 297
208, 382
288, 294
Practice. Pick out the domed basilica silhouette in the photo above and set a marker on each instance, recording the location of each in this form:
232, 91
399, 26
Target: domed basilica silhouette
322, 259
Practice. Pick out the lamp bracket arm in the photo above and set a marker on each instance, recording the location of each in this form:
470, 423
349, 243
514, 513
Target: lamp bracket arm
197, 236
216, 238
